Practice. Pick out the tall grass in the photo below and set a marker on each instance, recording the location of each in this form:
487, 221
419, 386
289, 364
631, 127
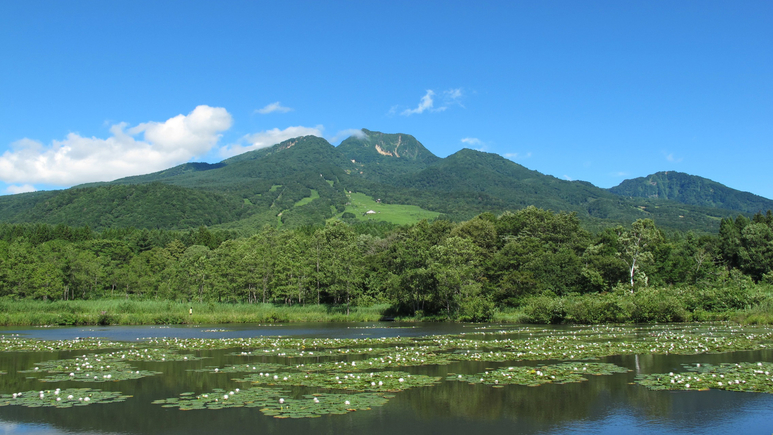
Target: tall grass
132, 312
667, 304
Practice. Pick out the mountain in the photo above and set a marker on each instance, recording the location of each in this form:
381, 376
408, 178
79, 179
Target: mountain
694, 190
306, 181
380, 156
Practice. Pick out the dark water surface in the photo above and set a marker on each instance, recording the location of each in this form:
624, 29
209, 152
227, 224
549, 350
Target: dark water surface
602, 405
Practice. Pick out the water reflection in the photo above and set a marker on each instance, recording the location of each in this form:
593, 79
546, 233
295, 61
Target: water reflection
603, 404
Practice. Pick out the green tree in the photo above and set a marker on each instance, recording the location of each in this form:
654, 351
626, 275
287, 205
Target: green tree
454, 264
637, 244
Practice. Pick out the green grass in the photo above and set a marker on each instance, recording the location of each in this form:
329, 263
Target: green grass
399, 214
274, 187
308, 199
133, 312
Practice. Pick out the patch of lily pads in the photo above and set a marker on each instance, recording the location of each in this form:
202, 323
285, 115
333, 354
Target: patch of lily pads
521, 343
148, 355
749, 377
276, 403
114, 374
97, 368
397, 359
242, 368
59, 398
15, 343
107, 360
561, 373
389, 381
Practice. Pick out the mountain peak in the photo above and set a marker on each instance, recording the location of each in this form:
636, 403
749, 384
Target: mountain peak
378, 146
693, 190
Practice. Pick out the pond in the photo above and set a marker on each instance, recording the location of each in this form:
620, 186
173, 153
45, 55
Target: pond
387, 378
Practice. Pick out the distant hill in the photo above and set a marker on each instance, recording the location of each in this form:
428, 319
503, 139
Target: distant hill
694, 190
306, 181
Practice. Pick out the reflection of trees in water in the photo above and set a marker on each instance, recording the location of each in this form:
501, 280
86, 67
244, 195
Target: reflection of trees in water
454, 406
550, 403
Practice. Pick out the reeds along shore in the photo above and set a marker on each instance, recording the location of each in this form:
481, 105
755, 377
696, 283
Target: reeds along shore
143, 312
749, 305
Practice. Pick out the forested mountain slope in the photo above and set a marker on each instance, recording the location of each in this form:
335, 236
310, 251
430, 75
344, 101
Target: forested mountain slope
691, 189
306, 180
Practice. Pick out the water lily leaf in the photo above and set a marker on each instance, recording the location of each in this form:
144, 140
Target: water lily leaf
750, 377
58, 398
242, 368
276, 403
544, 374
389, 381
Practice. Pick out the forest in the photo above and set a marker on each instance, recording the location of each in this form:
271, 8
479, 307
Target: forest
542, 266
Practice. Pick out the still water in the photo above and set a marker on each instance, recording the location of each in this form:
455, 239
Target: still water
604, 404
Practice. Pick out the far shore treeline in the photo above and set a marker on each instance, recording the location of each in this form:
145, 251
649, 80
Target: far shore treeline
537, 265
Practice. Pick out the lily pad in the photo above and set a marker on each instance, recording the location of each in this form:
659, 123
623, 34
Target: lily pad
88, 369
389, 381
242, 368
58, 398
276, 403
749, 377
544, 374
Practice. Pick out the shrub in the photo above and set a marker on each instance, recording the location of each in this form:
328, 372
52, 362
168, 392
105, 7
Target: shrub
657, 306
591, 309
544, 309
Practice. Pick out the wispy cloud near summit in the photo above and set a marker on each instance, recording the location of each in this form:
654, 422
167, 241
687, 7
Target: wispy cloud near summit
447, 98
274, 107
267, 138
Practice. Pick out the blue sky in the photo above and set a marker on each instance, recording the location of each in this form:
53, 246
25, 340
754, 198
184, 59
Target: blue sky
592, 90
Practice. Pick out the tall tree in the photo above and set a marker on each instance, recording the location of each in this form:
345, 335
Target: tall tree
637, 244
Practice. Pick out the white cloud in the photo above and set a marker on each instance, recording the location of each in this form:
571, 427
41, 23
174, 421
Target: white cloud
670, 157
475, 143
267, 138
343, 134
452, 96
274, 107
78, 159
14, 189
448, 98
567, 177
516, 156
619, 174
426, 103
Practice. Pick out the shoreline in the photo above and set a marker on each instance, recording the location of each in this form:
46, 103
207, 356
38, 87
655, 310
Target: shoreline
122, 312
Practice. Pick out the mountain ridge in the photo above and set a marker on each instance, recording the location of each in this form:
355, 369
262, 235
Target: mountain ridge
305, 181
692, 189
